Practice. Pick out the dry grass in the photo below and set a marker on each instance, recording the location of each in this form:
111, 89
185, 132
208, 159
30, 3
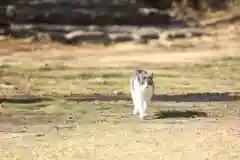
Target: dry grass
195, 112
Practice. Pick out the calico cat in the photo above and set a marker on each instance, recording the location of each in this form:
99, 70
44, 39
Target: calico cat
142, 90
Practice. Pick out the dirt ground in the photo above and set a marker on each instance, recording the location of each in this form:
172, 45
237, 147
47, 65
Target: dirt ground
82, 110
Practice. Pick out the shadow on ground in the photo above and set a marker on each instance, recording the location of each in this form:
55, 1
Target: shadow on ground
189, 97
24, 99
199, 97
179, 114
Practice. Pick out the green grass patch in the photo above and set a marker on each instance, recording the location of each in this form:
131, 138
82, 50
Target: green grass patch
206, 77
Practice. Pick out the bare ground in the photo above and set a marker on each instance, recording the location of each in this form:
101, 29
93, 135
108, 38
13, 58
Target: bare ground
86, 113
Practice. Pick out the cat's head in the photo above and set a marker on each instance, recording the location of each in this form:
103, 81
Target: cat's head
145, 77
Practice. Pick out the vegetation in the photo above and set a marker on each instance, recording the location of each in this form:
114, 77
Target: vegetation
198, 5
197, 106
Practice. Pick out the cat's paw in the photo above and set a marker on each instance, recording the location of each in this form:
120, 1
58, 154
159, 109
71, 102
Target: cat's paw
142, 117
135, 112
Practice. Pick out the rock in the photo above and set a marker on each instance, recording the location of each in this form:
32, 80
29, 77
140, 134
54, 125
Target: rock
147, 11
163, 36
40, 36
149, 36
145, 37
18, 32
176, 34
59, 37
81, 36
121, 37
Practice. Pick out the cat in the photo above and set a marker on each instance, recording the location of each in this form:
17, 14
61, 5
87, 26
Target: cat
142, 90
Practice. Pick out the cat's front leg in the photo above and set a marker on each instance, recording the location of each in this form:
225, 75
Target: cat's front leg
135, 109
145, 106
141, 108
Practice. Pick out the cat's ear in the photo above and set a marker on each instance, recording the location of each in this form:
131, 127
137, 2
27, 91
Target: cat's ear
151, 74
